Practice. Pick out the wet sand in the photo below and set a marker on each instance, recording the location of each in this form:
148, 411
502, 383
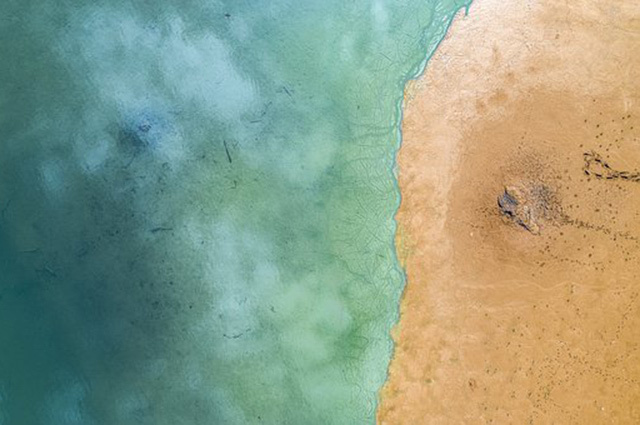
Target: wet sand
529, 312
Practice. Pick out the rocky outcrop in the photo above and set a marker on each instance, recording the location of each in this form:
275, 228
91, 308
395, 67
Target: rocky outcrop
529, 206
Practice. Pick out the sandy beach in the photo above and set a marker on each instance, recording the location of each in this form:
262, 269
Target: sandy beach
519, 226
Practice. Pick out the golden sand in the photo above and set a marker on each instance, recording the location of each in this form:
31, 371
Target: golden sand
503, 322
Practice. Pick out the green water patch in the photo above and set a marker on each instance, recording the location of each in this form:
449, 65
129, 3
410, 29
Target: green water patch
197, 207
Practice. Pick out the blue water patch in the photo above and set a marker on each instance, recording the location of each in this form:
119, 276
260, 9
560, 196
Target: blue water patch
197, 207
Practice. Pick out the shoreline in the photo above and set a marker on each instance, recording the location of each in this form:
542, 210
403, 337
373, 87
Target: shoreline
490, 309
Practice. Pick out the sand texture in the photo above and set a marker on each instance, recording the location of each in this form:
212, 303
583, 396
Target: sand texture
519, 226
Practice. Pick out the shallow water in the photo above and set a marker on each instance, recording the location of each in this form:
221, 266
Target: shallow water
197, 207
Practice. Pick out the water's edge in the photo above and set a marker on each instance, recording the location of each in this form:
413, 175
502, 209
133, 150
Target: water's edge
411, 76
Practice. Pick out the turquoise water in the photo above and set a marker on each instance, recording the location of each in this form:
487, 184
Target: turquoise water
197, 207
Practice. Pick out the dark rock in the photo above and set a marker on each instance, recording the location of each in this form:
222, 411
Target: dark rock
143, 131
517, 205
